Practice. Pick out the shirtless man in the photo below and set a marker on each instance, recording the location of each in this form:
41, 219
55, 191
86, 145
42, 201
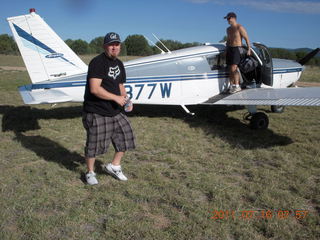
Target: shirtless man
235, 34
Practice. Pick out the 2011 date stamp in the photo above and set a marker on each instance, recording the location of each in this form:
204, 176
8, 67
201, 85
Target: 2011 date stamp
258, 214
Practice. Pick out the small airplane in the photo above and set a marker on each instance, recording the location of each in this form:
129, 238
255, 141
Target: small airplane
190, 76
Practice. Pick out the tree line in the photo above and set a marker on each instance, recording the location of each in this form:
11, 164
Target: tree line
133, 45
294, 55
137, 45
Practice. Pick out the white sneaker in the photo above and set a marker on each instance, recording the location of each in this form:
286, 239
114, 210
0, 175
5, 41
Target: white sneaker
91, 178
117, 173
235, 89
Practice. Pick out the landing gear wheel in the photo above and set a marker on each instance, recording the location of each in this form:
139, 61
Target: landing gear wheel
259, 120
277, 108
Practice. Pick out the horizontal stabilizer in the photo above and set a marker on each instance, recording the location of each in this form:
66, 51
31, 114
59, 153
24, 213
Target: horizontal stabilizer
270, 96
40, 96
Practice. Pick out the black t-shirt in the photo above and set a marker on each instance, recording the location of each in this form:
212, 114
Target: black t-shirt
112, 73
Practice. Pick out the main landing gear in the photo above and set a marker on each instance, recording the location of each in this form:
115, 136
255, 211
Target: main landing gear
258, 120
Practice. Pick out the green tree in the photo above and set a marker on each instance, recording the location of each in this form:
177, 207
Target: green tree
193, 44
282, 53
155, 50
170, 44
96, 45
69, 42
224, 39
137, 45
175, 45
80, 47
7, 45
123, 50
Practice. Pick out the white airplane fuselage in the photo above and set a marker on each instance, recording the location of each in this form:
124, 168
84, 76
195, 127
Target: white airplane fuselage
183, 77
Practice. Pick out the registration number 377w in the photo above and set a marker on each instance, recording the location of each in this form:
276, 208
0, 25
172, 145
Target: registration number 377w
135, 91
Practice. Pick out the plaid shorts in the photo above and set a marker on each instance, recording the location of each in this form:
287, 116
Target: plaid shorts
102, 130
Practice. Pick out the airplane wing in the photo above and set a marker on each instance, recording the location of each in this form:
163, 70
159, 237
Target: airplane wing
270, 96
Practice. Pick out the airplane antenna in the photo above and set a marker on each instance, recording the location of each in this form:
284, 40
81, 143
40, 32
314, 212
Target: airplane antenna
162, 52
162, 43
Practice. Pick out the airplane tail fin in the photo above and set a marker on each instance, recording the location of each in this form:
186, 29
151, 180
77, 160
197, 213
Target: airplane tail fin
45, 54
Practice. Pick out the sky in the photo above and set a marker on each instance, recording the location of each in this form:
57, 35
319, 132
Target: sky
276, 23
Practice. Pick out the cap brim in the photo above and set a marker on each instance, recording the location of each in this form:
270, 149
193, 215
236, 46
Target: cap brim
113, 41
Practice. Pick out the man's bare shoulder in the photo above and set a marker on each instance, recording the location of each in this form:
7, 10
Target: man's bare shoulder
239, 26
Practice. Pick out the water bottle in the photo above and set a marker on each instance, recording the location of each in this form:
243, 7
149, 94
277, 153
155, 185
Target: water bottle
127, 105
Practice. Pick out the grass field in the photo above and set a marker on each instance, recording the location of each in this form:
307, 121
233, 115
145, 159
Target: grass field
311, 74
202, 177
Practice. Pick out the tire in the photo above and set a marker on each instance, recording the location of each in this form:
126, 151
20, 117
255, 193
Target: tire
259, 121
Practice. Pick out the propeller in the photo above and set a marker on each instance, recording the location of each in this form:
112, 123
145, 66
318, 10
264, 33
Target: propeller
310, 55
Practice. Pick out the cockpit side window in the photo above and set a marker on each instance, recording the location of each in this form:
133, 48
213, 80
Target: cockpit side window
217, 61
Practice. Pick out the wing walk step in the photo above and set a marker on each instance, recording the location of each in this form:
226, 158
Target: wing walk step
216, 98
270, 96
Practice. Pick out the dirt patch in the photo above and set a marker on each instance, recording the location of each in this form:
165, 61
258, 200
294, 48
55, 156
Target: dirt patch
13, 68
308, 84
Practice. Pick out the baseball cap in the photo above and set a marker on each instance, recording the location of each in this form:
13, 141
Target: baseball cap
230, 15
111, 37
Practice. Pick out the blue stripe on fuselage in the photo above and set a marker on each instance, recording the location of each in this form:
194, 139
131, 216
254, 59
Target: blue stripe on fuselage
134, 80
156, 79
289, 70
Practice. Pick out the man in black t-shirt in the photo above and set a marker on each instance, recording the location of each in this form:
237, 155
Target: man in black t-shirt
103, 119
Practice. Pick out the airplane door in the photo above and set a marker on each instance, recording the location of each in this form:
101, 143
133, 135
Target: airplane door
267, 66
191, 75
